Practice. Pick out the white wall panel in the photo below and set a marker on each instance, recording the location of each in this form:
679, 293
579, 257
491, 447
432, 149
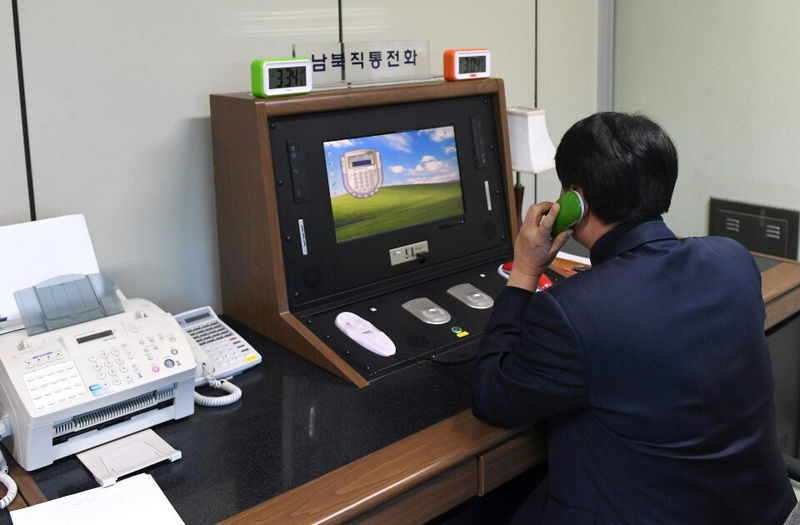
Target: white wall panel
721, 77
118, 111
505, 28
568, 55
13, 179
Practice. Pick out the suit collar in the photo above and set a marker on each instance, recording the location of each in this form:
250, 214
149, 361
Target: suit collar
626, 237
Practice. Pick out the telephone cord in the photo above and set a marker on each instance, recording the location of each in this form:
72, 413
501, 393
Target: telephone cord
6, 480
234, 393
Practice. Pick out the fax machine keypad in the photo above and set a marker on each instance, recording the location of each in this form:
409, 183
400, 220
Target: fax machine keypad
55, 385
115, 365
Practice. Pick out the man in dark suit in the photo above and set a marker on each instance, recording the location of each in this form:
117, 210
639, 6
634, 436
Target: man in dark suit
651, 370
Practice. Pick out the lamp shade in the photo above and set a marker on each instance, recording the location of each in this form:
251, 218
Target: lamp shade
532, 151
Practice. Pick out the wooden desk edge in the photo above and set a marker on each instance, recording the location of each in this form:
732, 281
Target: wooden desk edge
378, 477
780, 287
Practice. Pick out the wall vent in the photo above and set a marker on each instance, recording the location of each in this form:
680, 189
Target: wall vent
761, 229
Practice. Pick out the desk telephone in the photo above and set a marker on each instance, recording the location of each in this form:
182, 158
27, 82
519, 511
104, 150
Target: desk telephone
219, 351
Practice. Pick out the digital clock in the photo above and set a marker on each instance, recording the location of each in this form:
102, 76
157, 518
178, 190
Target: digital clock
274, 77
465, 64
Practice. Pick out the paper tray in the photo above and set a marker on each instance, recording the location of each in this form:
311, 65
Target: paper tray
113, 460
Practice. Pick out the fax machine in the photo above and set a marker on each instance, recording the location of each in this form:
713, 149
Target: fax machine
90, 367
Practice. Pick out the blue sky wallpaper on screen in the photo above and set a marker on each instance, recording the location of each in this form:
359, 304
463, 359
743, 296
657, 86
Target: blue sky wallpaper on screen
426, 156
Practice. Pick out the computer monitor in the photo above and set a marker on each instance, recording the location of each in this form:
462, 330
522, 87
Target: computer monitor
377, 197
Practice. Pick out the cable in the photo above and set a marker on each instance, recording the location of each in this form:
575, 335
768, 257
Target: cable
5, 479
234, 392
458, 361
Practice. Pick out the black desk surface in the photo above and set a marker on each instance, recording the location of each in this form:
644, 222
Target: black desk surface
295, 422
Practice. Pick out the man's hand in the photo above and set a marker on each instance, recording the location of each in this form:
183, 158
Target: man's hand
534, 250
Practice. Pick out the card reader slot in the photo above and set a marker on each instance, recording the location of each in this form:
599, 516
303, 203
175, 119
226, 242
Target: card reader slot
478, 142
298, 172
111, 414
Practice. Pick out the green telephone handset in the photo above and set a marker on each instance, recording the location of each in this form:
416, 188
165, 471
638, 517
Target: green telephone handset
571, 211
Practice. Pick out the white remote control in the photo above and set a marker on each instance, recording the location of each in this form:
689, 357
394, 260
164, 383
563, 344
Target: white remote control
364, 333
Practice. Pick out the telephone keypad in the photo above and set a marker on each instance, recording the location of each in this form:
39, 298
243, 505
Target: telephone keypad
114, 364
225, 349
218, 342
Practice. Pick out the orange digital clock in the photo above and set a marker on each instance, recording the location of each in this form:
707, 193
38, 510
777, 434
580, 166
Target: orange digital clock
466, 64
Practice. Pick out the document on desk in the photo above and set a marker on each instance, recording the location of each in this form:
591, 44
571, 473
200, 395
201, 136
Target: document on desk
39, 250
135, 500
574, 258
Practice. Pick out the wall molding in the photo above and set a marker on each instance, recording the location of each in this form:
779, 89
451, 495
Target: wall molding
605, 55
23, 110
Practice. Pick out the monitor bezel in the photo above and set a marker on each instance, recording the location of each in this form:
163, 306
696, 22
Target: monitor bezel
319, 270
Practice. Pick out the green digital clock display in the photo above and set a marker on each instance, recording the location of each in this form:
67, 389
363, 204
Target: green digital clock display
285, 77
280, 76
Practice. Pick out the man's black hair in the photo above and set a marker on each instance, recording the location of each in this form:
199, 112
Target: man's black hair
626, 165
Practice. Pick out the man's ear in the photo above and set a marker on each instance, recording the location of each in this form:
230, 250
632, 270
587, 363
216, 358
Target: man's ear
578, 189
586, 207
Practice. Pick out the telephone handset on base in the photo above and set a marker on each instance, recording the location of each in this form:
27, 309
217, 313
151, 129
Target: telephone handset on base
219, 352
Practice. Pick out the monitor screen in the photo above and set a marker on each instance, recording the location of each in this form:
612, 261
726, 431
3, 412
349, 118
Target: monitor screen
387, 182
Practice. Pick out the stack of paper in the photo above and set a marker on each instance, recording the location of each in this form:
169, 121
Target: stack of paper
39, 250
136, 500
